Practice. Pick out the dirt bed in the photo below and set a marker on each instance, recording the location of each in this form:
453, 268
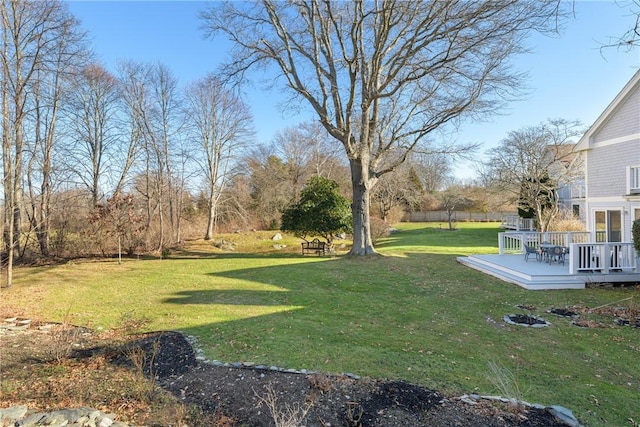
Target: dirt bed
57, 367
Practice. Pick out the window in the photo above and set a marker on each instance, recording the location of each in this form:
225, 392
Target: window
634, 179
608, 226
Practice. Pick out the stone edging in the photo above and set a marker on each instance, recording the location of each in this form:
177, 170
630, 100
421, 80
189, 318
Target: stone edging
559, 412
20, 416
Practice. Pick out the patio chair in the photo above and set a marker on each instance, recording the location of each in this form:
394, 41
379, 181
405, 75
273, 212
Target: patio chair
558, 253
532, 250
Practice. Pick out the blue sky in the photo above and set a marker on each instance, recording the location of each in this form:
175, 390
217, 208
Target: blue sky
570, 76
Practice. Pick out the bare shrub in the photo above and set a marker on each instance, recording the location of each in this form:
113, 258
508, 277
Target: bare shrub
144, 388
379, 229
353, 414
507, 383
285, 415
566, 221
320, 382
63, 338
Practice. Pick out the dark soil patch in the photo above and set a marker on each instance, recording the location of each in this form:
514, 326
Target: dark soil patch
242, 394
563, 312
230, 397
627, 322
526, 320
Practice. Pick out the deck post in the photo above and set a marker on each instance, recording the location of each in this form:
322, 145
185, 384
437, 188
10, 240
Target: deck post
573, 259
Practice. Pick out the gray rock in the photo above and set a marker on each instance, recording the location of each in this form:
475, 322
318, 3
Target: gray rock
31, 420
105, 422
565, 415
12, 414
277, 237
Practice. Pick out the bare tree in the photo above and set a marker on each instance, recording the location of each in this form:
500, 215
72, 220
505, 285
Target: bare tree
400, 188
307, 150
631, 38
433, 169
221, 125
270, 185
160, 129
92, 106
29, 36
529, 165
153, 110
384, 75
132, 81
48, 90
453, 198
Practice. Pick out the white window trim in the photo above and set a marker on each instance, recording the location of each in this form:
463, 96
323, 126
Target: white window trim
633, 179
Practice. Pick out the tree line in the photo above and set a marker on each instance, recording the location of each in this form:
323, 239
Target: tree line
92, 155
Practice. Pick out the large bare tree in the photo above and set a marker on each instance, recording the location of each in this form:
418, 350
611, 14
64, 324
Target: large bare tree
308, 150
92, 107
221, 124
48, 89
530, 164
30, 34
384, 75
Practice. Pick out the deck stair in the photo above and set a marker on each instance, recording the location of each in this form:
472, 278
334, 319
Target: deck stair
534, 275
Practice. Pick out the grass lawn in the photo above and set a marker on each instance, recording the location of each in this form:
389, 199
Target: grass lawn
412, 313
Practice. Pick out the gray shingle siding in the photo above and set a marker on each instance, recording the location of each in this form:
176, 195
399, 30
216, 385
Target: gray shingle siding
624, 121
607, 170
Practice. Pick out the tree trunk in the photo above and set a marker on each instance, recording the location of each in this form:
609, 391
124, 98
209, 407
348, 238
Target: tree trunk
361, 185
212, 215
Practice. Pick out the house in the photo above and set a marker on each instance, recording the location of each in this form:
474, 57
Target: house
606, 198
611, 152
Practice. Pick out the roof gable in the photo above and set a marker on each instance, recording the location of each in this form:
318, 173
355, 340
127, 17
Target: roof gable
624, 109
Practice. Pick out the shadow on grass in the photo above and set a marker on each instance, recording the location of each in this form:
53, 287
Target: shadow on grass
232, 296
198, 254
415, 317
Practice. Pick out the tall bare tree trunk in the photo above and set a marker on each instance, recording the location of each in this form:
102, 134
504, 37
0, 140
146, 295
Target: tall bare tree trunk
361, 185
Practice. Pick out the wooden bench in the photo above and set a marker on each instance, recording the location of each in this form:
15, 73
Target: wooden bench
315, 246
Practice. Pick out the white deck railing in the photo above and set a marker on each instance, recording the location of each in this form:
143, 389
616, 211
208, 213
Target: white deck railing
578, 191
584, 254
514, 222
602, 257
512, 242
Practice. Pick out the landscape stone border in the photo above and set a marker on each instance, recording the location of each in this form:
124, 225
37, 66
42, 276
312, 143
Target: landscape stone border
20, 416
561, 413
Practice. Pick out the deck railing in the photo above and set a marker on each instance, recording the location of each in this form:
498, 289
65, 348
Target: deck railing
514, 222
602, 257
578, 191
584, 255
511, 242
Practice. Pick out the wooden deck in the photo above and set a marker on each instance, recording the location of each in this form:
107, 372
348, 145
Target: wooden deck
534, 275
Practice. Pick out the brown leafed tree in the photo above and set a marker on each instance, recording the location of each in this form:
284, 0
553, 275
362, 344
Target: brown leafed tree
384, 76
